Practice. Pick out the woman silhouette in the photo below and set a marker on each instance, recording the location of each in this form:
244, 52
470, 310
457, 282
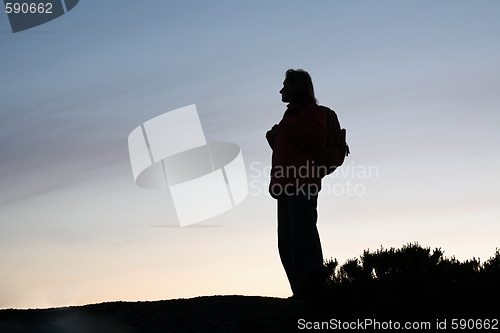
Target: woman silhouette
295, 183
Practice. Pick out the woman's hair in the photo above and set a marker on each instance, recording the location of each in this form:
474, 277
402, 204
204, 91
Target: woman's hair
301, 82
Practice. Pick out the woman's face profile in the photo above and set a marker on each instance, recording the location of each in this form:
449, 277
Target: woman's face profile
286, 92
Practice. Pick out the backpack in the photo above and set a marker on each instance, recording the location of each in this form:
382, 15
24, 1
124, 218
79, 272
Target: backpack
332, 155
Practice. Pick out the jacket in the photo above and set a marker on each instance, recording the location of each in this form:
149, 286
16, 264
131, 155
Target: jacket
295, 141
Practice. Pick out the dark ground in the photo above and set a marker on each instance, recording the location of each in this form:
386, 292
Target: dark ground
407, 285
223, 314
202, 314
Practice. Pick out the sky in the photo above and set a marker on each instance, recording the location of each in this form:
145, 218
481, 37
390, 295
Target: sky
415, 83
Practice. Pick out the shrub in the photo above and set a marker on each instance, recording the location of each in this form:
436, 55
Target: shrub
393, 279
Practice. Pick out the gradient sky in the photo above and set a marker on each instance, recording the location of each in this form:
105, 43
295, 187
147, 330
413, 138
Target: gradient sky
416, 84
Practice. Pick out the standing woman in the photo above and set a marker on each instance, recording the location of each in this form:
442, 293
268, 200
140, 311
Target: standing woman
295, 183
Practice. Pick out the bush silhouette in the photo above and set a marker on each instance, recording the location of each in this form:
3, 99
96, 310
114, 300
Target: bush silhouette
397, 279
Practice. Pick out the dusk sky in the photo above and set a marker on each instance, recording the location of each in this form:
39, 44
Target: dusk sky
415, 83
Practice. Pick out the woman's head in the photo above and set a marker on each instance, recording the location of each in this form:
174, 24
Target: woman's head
297, 87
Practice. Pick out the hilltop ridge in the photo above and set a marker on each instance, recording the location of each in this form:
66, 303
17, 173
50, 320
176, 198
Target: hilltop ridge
411, 283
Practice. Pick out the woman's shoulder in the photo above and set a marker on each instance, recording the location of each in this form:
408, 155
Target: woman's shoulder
312, 109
